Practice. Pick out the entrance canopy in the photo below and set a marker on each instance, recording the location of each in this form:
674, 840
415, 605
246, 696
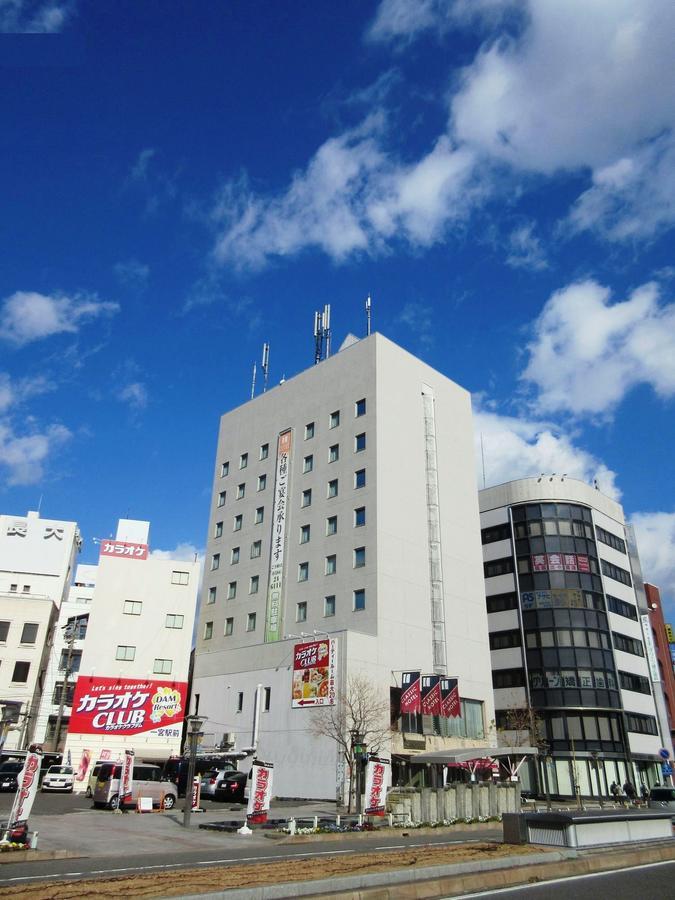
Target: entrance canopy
447, 757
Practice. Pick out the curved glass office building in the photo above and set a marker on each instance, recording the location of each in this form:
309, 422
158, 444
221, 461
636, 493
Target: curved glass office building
570, 663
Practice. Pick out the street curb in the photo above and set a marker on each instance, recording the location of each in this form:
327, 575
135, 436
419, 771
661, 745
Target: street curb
15, 856
444, 881
384, 832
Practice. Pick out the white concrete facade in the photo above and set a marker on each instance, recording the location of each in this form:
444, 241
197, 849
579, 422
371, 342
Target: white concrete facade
358, 557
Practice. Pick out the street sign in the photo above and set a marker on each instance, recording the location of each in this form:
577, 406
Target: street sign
664, 754
666, 769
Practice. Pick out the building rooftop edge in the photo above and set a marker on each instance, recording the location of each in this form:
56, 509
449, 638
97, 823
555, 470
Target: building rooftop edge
549, 487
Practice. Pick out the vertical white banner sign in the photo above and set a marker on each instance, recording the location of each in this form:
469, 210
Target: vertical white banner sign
275, 589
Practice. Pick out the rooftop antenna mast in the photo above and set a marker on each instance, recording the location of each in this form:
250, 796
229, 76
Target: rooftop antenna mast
318, 338
253, 382
326, 328
265, 364
322, 334
368, 315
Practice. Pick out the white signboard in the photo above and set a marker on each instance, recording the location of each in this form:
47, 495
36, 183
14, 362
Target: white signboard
649, 647
314, 667
260, 791
275, 589
378, 773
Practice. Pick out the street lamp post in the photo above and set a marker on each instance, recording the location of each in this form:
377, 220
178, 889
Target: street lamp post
358, 751
194, 733
594, 757
544, 756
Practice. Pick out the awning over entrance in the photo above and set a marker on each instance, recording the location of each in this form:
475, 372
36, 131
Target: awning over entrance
447, 757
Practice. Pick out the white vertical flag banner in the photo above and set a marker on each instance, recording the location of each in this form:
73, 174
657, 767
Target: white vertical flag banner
127, 777
378, 776
27, 789
260, 792
276, 578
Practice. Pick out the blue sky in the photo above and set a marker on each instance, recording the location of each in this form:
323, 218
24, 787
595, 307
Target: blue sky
181, 182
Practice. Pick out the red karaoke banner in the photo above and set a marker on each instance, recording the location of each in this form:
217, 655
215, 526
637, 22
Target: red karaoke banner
128, 706
124, 550
411, 697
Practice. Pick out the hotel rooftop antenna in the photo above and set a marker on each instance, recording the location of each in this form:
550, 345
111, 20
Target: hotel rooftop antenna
265, 364
368, 315
318, 338
253, 383
326, 328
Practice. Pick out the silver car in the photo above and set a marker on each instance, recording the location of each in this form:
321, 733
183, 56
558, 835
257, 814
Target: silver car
210, 779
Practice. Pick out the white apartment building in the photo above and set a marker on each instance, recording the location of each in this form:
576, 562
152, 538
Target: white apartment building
131, 692
344, 507
37, 557
565, 600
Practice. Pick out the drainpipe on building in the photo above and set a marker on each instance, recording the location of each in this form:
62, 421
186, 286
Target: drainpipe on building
256, 719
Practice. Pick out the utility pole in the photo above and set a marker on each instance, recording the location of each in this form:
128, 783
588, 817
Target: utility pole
69, 632
195, 724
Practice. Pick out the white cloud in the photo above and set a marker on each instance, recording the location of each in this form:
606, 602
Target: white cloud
132, 274
33, 16
14, 391
140, 168
655, 534
25, 457
404, 20
135, 394
525, 249
520, 448
418, 318
587, 354
27, 316
183, 552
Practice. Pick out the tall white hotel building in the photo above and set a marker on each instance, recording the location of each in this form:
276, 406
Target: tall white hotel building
376, 544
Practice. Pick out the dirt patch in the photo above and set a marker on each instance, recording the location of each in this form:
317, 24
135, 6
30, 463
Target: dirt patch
179, 882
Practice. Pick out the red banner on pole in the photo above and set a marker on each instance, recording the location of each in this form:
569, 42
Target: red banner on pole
450, 705
411, 696
431, 695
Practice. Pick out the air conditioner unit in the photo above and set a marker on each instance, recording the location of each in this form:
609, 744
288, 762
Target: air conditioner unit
228, 740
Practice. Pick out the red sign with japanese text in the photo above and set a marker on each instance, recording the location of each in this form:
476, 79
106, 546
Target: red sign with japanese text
570, 562
539, 562
555, 563
260, 792
583, 564
314, 665
377, 781
127, 706
123, 550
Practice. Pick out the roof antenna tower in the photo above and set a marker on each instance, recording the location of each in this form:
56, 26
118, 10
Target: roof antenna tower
253, 382
322, 334
368, 315
265, 364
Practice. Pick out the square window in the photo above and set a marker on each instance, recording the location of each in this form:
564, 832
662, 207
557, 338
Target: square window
237, 522
308, 464
224, 469
301, 612
332, 488
334, 419
250, 622
259, 515
331, 525
360, 478
4, 631
359, 599
303, 571
360, 407
221, 498
360, 442
218, 530
262, 482
14, 587
264, 451
26, 589
125, 653
180, 578
254, 584
162, 667
132, 607
334, 453
241, 491
208, 631
20, 673
359, 557
359, 516
309, 430
306, 498
229, 628
174, 621
304, 534
329, 605
211, 595
215, 562
234, 556
331, 565
232, 590
29, 633
256, 549
243, 460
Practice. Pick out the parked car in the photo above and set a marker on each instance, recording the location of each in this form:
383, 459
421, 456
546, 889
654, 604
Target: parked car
9, 774
176, 769
663, 798
59, 778
233, 786
146, 783
93, 778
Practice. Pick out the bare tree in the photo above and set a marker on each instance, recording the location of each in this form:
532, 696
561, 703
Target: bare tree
524, 726
360, 710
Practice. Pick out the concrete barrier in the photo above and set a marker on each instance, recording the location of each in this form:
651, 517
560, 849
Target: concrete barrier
456, 801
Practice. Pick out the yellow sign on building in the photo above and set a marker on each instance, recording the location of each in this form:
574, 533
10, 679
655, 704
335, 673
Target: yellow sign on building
669, 634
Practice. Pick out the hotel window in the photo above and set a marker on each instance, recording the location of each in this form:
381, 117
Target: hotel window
224, 469
303, 571
334, 419
267, 699
254, 584
332, 488
237, 522
241, 491
256, 548
208, 631
334, 453
250, 622
331, 565
221, 498
215, 562
174, 621
162, 667
331, 525
359, 516
359, 557
20, 674
308, 464
232, 590
262, 482
29, 633
360, 407
243, 460
360, 478
306, 498
359, 599
218, 530
180, 577
212, 595
360, 442
13, 588
264, 451
329, 605
240, 699
259, 515
132, 607
304, 534
309, 430
125, 652
301, 612
4, 631
229, 627
234, 556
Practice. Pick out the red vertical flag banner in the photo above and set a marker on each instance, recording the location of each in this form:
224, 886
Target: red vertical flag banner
377, 781
260, 792
450, 705
411, 696
431, 695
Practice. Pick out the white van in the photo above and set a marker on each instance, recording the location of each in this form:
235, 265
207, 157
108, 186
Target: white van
146, 783
93, 777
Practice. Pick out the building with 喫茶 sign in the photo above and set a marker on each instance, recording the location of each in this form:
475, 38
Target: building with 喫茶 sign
343, 541
573, 659
131, 687
664, 648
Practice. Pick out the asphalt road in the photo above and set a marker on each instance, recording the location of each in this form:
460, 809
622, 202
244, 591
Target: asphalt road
650, 882
56, 803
